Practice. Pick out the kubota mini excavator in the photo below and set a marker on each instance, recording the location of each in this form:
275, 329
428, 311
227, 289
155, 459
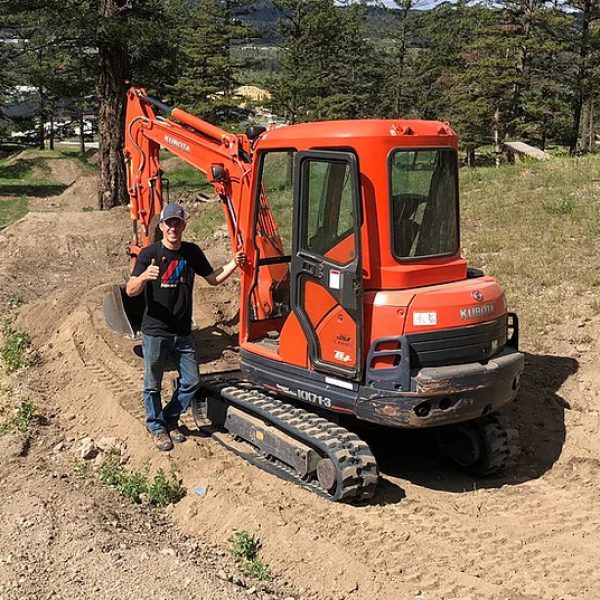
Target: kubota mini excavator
355, 302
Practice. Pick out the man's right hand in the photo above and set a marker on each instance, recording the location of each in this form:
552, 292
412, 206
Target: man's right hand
152, 272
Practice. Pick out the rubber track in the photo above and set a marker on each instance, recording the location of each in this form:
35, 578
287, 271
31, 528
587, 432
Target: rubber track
502, 441
356, 466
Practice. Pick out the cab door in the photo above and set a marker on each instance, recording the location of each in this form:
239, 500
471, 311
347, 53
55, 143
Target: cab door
326, 269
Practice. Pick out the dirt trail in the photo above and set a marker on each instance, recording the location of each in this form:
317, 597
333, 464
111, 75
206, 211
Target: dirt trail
431, 532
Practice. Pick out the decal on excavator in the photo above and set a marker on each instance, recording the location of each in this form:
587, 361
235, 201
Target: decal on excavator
174, 142
314, 398
473, 312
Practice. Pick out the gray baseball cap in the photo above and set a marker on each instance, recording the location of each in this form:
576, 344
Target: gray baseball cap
173, 211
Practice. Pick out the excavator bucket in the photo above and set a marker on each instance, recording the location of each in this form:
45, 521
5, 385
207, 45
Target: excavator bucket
122, 313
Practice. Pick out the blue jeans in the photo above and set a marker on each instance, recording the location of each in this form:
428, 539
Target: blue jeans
156, 350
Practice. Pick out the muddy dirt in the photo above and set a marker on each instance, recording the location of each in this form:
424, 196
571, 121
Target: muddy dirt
430, 532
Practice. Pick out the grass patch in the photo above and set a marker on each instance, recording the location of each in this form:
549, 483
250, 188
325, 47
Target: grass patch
12, 209
138, 486
19, 421
14, 300
16, 351
202, 226
244, 547
25, 176
536, 228
185, 178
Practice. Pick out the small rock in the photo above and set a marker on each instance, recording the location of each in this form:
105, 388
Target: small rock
59, 447
87, 448
222, 575
168, 551
114, 444
251, 591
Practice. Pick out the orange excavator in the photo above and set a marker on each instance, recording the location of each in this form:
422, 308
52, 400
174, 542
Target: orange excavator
355, 303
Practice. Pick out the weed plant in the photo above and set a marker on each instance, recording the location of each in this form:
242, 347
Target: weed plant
137, 485
20, 421
15, 350
244, 547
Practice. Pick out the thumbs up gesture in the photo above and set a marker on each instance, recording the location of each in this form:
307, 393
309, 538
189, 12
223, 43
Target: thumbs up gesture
151, 273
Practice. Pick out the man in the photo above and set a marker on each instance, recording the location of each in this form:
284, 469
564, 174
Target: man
165, 272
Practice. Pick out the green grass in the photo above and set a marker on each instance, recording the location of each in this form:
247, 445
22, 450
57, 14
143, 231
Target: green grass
183, 177
245, 547
138, 486
12, 209
20, 420
202, 226
16, 351
536, 228
21, 177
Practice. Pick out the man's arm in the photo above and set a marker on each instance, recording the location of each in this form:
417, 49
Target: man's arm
135, 285
222, 273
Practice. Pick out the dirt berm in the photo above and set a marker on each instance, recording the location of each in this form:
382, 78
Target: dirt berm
431, 532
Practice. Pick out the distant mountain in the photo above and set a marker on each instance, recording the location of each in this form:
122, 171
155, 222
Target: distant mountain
264, 17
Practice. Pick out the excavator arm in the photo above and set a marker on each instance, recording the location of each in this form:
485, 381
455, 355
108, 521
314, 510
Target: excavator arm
223, 157
226, 160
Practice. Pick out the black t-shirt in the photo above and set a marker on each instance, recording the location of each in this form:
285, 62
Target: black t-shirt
169, 298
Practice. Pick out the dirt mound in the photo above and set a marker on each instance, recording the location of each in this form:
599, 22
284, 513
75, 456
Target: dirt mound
63, 170
81, 195
430, 533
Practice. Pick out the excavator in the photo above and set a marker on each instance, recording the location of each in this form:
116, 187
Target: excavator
356, 307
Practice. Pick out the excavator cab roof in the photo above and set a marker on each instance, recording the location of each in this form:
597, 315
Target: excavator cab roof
407, 132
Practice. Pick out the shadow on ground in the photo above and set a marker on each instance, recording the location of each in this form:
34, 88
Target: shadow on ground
538, 414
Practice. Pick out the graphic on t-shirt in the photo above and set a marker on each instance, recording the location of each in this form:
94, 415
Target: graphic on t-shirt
172, 276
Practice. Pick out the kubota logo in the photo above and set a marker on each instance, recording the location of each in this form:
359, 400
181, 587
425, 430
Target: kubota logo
181, 145
474, 312
477, 295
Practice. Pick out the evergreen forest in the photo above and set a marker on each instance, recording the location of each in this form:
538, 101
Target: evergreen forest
524, 70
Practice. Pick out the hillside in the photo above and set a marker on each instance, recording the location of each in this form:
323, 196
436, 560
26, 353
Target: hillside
431, 532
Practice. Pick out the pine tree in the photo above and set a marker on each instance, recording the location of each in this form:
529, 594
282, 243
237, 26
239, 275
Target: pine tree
206, 73
125, 37
586, 48
329, 68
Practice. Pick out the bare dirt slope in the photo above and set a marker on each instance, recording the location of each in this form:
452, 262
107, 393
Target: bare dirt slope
431, 532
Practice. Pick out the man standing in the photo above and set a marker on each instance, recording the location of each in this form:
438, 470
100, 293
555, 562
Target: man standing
165, 272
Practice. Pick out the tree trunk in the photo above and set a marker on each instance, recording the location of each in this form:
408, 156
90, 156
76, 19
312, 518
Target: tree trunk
42, 122
51, 132
111, 90
81, 133
497, 146
582, 76
470, 157
592, 124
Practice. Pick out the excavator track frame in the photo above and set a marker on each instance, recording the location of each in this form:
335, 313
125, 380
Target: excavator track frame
345, 460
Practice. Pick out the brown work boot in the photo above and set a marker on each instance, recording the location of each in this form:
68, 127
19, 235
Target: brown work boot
176, 435
162, 441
